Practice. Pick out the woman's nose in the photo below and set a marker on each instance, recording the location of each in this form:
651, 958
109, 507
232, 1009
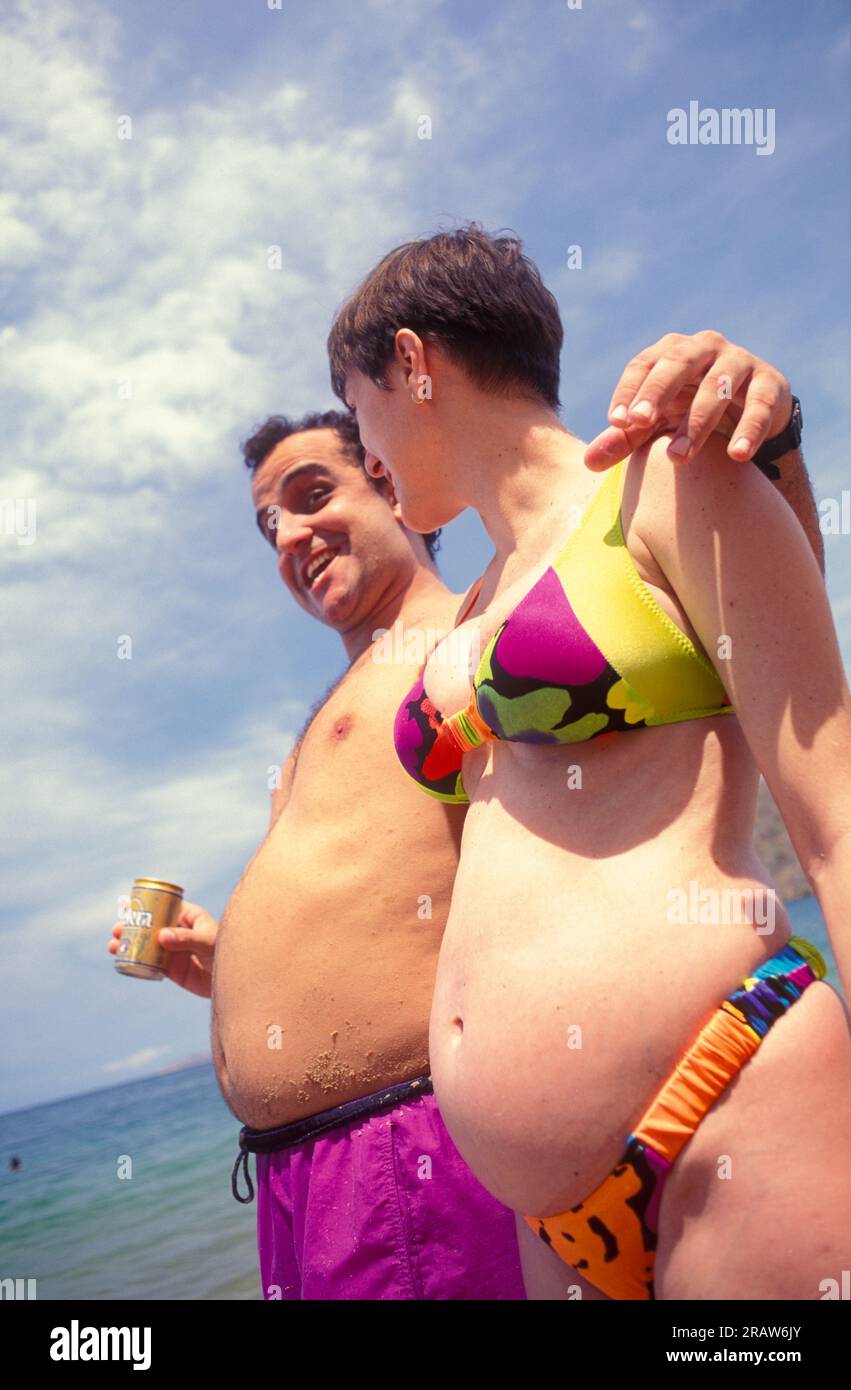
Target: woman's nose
373, 465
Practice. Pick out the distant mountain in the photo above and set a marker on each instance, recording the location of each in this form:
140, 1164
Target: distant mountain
775, 849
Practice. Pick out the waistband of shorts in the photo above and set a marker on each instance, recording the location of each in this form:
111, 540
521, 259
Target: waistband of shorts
286, 1136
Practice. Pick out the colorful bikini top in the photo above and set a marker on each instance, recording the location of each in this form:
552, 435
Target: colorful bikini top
587, 653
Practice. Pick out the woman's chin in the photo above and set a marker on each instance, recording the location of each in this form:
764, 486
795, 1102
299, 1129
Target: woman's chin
422, 522
419, 526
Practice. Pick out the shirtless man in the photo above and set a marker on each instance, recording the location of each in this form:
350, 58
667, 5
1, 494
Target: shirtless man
326, 955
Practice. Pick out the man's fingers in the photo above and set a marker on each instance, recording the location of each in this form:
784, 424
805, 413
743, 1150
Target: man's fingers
708, 405
629, 385
613, 445
691, 386
766, 412
189, 914
670, 346
682, 365
185, 939
604, 450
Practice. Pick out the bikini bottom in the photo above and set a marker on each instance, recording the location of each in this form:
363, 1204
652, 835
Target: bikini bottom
610, 1237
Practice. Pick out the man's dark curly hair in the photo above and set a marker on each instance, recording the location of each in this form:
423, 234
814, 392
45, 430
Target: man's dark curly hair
258, 448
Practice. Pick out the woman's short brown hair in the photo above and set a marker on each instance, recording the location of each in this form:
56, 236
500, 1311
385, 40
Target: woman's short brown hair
477, 296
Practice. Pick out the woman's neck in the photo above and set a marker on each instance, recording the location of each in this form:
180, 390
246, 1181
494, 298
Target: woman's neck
513, 467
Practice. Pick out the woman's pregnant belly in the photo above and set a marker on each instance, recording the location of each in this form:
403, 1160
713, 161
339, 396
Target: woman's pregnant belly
568, 987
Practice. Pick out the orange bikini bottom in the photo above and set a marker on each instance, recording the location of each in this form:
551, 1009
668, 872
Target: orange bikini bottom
610, 1238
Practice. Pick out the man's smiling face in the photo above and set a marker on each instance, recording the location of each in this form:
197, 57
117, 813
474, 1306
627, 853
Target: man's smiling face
333, 531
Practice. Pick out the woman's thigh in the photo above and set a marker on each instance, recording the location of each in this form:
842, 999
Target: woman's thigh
758, 1204
545, 1275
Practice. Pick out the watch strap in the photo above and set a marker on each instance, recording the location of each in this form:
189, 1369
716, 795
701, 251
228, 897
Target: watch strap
772, 449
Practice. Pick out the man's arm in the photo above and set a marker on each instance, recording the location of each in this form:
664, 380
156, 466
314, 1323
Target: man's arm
795, 486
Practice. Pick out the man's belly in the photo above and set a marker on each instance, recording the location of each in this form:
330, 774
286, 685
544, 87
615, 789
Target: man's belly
324, 974
568, 987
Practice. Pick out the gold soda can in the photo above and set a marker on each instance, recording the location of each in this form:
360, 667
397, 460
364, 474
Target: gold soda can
152, 906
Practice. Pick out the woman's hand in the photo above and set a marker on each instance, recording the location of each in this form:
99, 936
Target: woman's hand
191, 944
693, 385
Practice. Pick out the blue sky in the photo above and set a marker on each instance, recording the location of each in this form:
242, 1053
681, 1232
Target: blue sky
143, 335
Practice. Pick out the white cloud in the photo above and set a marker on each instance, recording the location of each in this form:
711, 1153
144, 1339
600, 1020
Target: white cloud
136, 1060
607, 268
842, 609
93, 827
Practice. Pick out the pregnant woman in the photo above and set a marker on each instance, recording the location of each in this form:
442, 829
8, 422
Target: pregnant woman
628, 1045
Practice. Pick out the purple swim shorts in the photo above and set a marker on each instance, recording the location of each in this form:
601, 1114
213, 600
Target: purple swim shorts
372, 1200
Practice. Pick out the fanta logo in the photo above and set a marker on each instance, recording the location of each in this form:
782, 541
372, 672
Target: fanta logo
132, 911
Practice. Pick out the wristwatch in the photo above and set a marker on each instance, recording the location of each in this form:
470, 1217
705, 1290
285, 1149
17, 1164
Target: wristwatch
790, 438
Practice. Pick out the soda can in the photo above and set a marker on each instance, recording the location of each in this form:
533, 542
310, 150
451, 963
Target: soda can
151, 907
